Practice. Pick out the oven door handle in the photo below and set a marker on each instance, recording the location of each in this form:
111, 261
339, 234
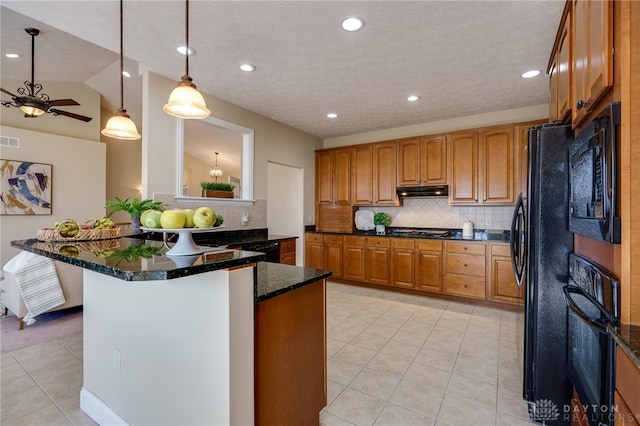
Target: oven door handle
597, 324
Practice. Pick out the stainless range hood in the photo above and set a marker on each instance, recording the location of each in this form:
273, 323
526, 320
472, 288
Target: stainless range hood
423, 191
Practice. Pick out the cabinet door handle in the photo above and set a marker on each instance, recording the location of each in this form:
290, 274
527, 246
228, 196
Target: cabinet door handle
465, 265
582, 104
466, 285
465, 249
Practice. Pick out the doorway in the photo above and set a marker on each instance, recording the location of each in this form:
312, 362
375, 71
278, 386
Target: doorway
285, 204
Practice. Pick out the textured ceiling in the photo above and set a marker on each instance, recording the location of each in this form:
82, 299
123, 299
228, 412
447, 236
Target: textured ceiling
461, 57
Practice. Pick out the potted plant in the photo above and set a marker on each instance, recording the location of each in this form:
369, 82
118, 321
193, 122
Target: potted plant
381, 220
217, 189
134, 207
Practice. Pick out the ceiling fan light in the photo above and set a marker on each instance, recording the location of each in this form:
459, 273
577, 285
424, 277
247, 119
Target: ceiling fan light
186, 102
31, 110
121, 126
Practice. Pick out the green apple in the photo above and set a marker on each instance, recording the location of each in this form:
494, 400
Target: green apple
145, 213
189, 215
204, 217
172, 219
219, 220
152, 219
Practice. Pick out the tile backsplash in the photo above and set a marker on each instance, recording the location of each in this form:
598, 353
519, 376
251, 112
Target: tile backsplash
232, 215
437, 213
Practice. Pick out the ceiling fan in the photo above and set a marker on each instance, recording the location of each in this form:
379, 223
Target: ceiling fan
30, 99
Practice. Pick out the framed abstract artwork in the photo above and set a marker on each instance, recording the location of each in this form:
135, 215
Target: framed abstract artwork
25, 188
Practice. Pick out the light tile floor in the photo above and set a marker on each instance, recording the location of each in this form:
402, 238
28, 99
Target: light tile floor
398, 359
393, 359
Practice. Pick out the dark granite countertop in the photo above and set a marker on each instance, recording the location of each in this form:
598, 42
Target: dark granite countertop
498, 236
136, 259
275, 279
223, 238
627, 336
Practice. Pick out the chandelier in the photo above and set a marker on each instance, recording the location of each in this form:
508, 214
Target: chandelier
215, 172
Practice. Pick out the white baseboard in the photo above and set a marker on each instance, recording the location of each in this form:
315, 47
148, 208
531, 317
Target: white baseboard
98, 410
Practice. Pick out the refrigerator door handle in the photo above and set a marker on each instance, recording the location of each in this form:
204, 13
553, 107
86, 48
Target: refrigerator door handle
517, 243
596, 324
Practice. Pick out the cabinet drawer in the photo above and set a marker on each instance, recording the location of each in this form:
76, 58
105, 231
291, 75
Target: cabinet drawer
378, 242
353, 241
333, 239
287, 246
464, 285
469, 248
429, 245
500, 250
315, 238
288, 259
465, 264
403, 243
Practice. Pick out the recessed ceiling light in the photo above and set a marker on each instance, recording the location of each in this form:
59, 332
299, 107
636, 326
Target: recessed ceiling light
183, 50
413, 98
248, 67
530, 74
126, 74
12, 55
332, 115
351, 23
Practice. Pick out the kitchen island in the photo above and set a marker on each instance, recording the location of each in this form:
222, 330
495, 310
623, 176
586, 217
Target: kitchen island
170, 340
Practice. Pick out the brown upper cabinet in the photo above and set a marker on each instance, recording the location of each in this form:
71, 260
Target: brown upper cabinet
484, 167
362, 181
464, 168
498, 163
559, 70
333, 176
422, 161
592, 39
384, 173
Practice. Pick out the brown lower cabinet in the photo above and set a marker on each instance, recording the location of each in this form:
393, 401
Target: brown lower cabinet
428, 265
403, 262
627, 397
353, 257
470, 269
290, 357
376, 269
288, 252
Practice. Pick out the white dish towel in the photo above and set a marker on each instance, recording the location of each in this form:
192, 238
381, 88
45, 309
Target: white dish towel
37, 279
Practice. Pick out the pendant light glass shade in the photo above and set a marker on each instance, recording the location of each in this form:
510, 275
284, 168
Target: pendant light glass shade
121, 126
31, 110
185, 101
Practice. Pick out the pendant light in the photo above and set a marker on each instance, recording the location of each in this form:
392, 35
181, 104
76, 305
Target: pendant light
185, 100
121, 126
216, 172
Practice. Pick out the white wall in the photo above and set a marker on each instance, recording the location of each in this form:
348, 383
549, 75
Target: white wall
537, 112
78, 181
284, 207
273, 141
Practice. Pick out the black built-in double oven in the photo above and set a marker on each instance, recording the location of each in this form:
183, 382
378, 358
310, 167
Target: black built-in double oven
593, 293
593, 297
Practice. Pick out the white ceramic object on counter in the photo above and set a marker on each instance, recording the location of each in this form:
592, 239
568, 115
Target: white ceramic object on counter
364, 220
467, 230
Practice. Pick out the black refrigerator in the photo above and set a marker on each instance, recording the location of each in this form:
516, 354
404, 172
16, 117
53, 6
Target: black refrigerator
540, 248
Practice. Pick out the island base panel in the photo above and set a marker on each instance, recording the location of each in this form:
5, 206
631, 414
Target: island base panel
169, 352
291, 367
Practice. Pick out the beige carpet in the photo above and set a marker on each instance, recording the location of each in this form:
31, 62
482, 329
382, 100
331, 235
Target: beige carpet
49, 325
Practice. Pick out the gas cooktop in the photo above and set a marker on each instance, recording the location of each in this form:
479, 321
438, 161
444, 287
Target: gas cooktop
433, 233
